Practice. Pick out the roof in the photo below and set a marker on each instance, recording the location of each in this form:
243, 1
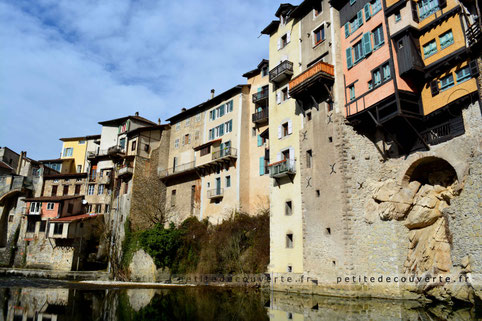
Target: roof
56, 160
122, 119
5, 165
303, 8
211, 102
284, 7
148, 128
52, 198
69, 175
73, 218
256, 71
207, 144
90, 137
270, 28
265, 133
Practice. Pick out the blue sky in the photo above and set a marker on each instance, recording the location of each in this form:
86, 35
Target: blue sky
66, 65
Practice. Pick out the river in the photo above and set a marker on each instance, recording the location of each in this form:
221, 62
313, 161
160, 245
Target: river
44, 300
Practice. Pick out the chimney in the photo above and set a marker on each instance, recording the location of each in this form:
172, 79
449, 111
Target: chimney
20, 161
137, 113
183, 110
212, 93
158, 121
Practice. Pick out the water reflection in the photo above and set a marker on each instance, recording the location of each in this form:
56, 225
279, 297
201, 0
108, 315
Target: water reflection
40, 300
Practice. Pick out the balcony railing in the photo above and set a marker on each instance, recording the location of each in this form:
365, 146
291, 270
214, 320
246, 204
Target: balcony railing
474, 34
442, 132
320, 70
111, 151
261, 116
125, 170
215, 193
283, 71
39, 212
261, 95
282, 168
178, 169
225, 152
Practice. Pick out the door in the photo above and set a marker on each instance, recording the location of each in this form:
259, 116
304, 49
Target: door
218, 186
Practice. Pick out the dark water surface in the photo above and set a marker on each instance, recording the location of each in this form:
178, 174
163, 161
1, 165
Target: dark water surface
44, 300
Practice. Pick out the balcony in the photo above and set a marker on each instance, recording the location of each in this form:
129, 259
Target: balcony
474, 35
125, 171
34, 213
282, 168
319, 72
261, 116
225, 153
261, 96
281, 72
178, 170
215, 193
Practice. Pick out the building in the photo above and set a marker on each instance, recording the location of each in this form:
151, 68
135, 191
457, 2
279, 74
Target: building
77, 148
285, 123
8, 161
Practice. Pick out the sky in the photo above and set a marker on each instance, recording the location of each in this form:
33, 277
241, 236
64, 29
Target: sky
66, 65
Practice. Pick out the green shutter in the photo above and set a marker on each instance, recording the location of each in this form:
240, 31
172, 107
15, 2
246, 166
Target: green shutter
367, 11
347, 29
367, 44
349, 60
359, 17
261, 166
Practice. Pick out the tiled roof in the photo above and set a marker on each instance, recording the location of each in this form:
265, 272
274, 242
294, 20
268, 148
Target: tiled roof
75, 218
52, 198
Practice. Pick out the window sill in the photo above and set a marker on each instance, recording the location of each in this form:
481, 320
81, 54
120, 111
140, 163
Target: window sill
464, 79
429, 55
446, 46
319, 43
446, 88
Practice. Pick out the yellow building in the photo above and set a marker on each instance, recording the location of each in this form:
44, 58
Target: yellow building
76, 148
285, 122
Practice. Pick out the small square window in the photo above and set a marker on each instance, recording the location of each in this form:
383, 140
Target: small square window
318, 193
228, 181
289, 270
289, 241
328, 231
398, 16
308, 116
309, 158
288, 208
330, 139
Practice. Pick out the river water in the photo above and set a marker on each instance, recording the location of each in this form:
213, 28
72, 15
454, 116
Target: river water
44, 300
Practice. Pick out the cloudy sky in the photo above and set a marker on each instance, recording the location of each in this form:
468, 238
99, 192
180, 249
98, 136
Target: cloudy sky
66, 65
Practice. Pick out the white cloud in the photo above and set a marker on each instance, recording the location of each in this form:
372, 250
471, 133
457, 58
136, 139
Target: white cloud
65, 65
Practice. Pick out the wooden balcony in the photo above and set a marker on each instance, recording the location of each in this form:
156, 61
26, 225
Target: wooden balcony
261, 96
261, 116
319, 72
474, 36
178, 170
215, 193
282, 168
281, 72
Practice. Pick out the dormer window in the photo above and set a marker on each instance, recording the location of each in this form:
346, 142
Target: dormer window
264, 71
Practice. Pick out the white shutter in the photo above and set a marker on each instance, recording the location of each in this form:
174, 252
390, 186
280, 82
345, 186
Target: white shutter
288, 91
292, 156
278, 157
279, 132
288, 37
279, 43
278, 97
290, 127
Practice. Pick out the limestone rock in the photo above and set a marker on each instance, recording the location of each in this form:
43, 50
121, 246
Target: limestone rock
371, 210
406, 194
142, 267
139, 298
421, 217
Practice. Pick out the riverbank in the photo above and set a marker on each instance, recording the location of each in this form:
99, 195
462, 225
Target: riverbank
56, 275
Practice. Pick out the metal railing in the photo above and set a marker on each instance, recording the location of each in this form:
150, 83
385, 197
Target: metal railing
261, 95
283, 67
177, 169
282, 168
226, 151
442, 132
474, 34
214, 193
261, 115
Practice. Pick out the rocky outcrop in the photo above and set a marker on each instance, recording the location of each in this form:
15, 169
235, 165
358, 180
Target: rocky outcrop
142, 267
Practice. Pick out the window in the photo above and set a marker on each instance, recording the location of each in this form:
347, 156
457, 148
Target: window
187, 139
286, 154
308, 116
198, 118
358, 51
357, 22
377, 77
285, 129
370, 84
309, 158
398, 16
228, 181
178, 126
349, 59
206, 150
264, 71
10, 218
366, 8
146, 148
446, 82
196, 135
134, 145
50, 206
262, 166
446, 39
378, 38
101, 189
70, 208
77, 189
318, 8
228, 126
81, 142
79, 168
188, 122
58, 228
35, 207
376, 6
463, 74
427, 8
386, 72
352, 2
260, 141
43, 225
54, 190
229, 106
283, 41
176, 143
122, 143
289, 241
284, 94
98, 208
31, 226
352, 92
319, 35
68, 152
126, 187
66, 190
91, 189
173, 198
106, 208
288, 208
429, 49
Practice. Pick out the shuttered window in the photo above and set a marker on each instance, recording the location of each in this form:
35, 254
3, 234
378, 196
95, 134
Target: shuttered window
261, 166
367, 44
349, 59
430, 48
463, 74
446, 39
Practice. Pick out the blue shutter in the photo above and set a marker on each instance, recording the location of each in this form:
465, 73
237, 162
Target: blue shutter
367, 44
349, 60
359, 17
347, 29
260, 141
261, 166
367, 11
